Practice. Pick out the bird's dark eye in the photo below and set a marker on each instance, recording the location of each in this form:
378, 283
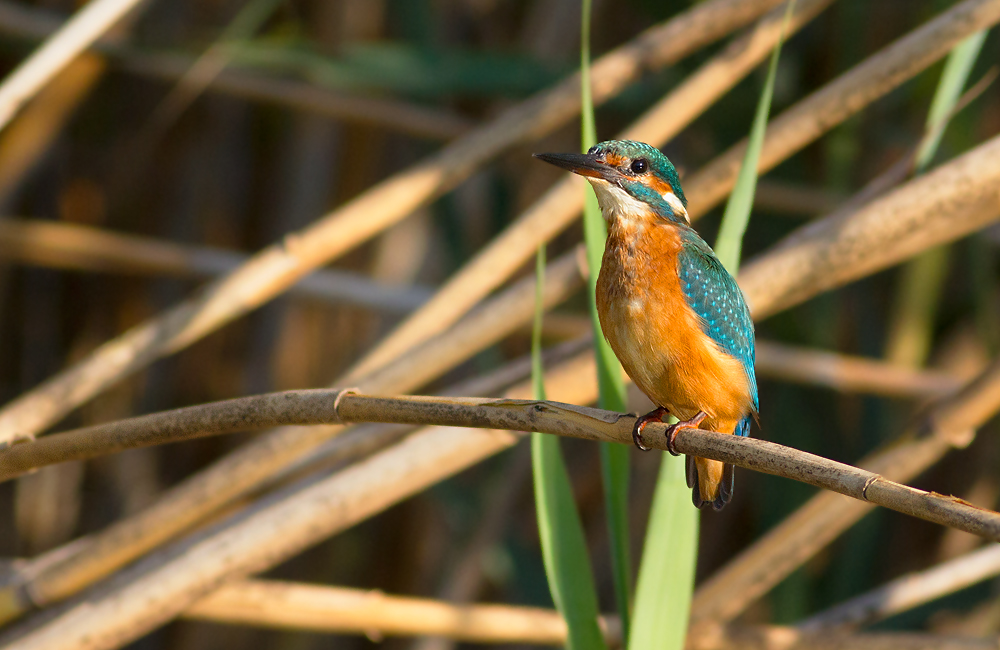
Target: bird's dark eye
639, 166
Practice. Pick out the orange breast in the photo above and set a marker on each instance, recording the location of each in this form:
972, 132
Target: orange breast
657, 336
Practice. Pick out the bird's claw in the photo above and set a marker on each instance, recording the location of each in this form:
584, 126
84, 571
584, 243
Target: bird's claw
673, 430
637, 434
641, 422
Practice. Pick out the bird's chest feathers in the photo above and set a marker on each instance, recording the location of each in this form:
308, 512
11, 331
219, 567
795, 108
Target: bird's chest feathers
638, 290
654, 333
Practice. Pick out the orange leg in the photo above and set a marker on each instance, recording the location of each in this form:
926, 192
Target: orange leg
680, 426
656, 415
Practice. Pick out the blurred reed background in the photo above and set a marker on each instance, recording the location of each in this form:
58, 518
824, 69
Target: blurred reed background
200, 132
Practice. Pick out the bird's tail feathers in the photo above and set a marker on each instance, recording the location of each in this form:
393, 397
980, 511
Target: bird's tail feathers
708, 487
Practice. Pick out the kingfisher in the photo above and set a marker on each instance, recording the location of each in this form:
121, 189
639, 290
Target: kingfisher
675, 318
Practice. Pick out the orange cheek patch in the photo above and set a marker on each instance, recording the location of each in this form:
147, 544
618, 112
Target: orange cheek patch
660, 186
613, 159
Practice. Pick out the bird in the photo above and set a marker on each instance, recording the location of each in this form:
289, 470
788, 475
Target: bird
673, 315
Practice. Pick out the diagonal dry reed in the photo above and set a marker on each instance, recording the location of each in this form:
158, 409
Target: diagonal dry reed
909, 591
848, 245
277, 267
866, 82
72, 39
31, 135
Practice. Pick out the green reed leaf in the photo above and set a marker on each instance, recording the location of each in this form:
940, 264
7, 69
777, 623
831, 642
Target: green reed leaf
564, 547
919, 293
612, 396
729, 245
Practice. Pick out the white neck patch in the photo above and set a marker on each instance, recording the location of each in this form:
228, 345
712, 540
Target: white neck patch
676, 205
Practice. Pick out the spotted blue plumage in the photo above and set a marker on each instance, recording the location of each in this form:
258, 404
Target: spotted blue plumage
714, 295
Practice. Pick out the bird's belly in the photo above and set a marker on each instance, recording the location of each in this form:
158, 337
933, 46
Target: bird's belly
659, 341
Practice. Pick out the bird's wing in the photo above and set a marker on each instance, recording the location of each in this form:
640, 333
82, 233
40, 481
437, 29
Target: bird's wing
714, 295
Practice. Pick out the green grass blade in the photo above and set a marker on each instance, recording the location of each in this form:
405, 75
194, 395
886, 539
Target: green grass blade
537, 371
611, 388
250, 19
666, 574
729, 245
912, 323
953, 79
564, 547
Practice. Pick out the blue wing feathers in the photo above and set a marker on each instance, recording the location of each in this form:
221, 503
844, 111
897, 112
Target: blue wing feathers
714, 295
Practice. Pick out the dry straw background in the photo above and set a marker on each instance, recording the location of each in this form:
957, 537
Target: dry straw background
204, 201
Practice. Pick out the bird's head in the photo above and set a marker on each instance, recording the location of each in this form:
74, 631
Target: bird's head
630, 179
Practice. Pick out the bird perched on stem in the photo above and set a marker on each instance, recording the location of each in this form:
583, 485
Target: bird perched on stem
673, 315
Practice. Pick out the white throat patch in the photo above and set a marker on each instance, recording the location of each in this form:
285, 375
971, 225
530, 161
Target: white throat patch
616, 203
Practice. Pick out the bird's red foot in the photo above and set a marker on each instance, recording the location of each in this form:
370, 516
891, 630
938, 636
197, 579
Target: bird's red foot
656, 415
680, 426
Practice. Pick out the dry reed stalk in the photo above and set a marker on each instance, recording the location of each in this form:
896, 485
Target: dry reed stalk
233, 476
950, 423
848, 373
275, 268
343, 406
562, 204
268, 603
393, 115
31, 135
72, 39
795, 200
74, 247
159, 588
247, 468
466, 575
848, 245
283, 605
785, 638
420, 121
909, 591
874, 77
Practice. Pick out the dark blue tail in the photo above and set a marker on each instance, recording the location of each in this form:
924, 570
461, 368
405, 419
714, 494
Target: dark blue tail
728, 475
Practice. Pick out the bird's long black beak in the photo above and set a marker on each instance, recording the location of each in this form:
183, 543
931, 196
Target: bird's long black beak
584, 164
